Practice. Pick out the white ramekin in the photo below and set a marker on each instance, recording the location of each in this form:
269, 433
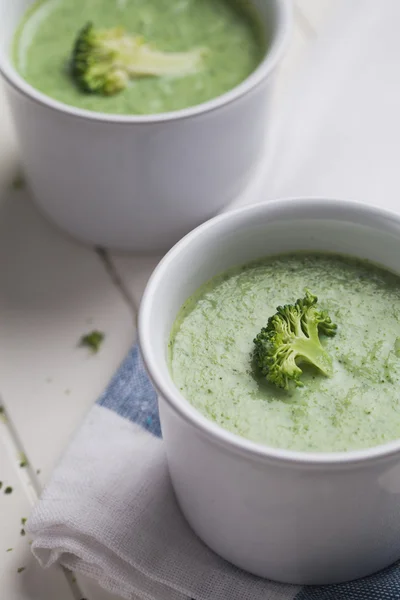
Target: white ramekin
140, 182
304, 518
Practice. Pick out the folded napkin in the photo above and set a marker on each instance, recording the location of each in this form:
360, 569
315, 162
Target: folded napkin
109, 512
109, 509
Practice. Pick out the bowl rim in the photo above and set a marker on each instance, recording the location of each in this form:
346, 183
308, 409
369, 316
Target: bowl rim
178, 403
262, 72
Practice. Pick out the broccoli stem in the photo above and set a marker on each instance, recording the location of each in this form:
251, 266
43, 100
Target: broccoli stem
311, 351
158, 63
145, 61
132, 54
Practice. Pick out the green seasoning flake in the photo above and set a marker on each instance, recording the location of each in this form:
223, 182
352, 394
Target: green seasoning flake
23, 460
23, 521
18, 182
9, 550
21, 569
1, 484
92, 340
8, 490
22, 532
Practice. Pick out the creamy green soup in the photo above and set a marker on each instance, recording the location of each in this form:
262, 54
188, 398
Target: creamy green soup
211, 352
228, 29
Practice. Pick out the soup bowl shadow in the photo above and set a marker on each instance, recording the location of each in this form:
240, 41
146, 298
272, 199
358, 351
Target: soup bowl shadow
294, 517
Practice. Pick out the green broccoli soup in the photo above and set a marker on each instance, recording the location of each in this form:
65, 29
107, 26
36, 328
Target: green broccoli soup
138, 56
298, 351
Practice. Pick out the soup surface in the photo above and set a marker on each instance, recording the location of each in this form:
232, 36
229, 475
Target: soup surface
229, 30
211, 354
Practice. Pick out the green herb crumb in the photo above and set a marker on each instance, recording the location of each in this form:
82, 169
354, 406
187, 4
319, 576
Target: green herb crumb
23, 460
18, 182
23, 520
9, 549
8, 490
1, 484
21, 569
22, 532
92, 340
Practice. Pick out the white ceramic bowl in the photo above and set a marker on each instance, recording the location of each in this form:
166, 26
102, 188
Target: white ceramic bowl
304, 518
140, 182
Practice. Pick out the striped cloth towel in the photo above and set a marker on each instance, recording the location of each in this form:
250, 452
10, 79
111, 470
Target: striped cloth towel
109, 512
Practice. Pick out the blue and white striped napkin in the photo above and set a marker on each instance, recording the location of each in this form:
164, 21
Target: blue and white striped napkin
109, 512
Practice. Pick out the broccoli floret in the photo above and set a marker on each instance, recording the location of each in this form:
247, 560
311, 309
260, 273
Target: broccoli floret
104, 60
290, 338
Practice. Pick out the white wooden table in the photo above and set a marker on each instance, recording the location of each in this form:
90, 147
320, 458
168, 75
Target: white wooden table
52, 290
